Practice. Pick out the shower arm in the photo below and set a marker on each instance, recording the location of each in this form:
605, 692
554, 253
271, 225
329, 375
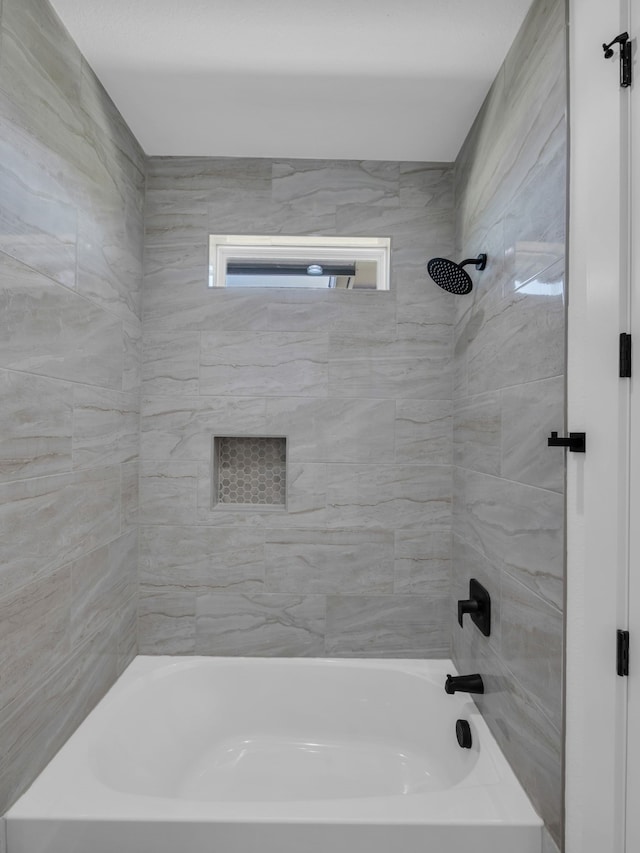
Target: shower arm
480, 262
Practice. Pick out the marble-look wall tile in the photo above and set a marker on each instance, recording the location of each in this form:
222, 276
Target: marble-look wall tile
260, 624
469, 563
535, 96
166, 620
319, 184
51, 331
39, 225
534, 226
378, 367
132, 356
477, 433
40, 69
397, 496
269, 364
405, 226
240, 309
47, 521
71, 214
112, 143
170, 363
423, 432
426, 185
531, 743
529, 413
509, 355
220, 559
105, 427
386, 626
516, 526
306, 501
129, 495
363, 397
103, 582
333, 430
175, 289
168, 492
497, 357
126, 627
330, 311
548, 844
532, 645
207, 173
329, 561
422, 563
176, 217
34, 633
183, 427
34, 726
35, 426
108, 272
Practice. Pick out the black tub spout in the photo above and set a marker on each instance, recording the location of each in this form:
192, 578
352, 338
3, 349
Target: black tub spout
464, 683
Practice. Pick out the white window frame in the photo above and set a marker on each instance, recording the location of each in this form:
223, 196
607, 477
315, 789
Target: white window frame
231, 247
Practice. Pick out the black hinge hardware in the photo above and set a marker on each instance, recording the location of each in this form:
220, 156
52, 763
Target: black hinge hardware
575, 441
625, 355
625, 57
622, 652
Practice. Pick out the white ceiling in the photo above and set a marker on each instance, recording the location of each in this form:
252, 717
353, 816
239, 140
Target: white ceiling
354, 79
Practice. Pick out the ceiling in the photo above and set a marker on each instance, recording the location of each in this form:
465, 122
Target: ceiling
343, 79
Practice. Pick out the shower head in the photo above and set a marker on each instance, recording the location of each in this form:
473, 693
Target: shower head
451, 277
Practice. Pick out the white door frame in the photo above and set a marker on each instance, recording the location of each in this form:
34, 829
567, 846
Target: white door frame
632, 822
598, 403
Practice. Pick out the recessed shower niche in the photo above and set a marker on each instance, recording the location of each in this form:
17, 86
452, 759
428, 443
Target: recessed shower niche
249, 471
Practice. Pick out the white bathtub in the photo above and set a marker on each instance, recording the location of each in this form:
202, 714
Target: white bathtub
245, 755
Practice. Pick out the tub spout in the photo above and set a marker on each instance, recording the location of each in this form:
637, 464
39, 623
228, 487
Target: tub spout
464, 683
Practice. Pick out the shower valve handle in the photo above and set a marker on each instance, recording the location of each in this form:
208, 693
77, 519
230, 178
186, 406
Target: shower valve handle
469, 605
478, 606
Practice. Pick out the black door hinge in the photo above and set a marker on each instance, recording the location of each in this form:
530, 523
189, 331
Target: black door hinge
622, 652
625, 57
575, 441
625, 355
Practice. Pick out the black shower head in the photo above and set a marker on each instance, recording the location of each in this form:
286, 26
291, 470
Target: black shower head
451, 277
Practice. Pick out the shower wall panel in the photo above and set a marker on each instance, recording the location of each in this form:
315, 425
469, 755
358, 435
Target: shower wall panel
71, 201
508, 520
360, 383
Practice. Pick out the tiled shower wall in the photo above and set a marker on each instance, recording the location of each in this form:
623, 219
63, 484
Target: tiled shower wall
360, 383
509, 394
71, 202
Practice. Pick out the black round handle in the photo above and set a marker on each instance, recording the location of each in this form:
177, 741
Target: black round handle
463, 733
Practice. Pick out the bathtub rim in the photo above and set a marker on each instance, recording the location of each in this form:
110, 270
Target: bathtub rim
61, 793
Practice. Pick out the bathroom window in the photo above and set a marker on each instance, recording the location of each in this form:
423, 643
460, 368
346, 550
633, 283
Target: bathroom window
339, 263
